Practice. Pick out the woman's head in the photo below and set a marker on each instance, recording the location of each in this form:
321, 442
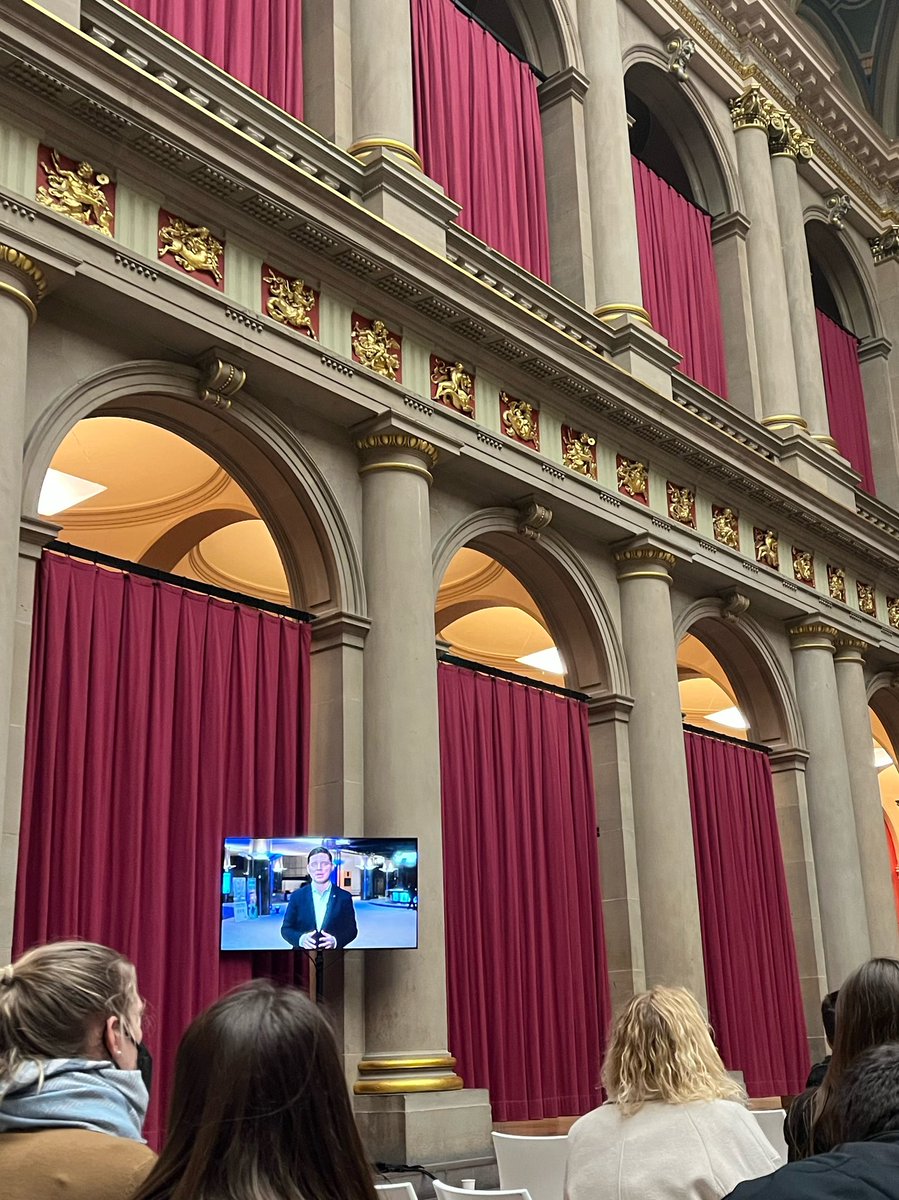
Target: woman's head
661, 1049
259, 1106
68, 1000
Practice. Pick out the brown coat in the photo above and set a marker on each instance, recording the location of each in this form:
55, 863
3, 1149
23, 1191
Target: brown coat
71, 1164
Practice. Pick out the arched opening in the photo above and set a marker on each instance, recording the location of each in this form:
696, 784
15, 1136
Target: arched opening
883, 729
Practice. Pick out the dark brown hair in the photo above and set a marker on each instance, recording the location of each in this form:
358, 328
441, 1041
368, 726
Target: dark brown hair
260, 1109
867, 1014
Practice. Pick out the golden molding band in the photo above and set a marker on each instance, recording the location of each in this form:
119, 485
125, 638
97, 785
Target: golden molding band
412, 468
17, 294
608, 312
780, 420
20, 262
426, 1062
826, 440
420, 1083
364, 145
398, 441
663, 575
644, 554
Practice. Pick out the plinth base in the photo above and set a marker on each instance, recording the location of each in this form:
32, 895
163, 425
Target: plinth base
426, 1126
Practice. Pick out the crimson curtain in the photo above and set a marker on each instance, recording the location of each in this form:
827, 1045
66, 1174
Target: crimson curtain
159, 722
526, 973
477, 129
755, 1005
845, 396
680, 283
259, 42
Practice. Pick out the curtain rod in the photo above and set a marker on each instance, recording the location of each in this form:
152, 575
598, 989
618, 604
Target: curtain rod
726, 737
469, 664
502, 41
191, 585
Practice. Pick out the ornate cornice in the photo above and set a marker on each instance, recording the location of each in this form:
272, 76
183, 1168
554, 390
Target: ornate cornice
398, 441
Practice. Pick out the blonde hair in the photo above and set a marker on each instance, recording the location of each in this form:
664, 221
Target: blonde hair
661, 1049
50, 997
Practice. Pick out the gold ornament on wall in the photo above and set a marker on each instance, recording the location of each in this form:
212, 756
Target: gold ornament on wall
751, 110
193, 247
804, 566
520, 420
766, 547
452, 385
633, 478
836, 583
681, 504
893, 611
726, 526
579, 451
867, 601
376, 348
290, 302
78, 194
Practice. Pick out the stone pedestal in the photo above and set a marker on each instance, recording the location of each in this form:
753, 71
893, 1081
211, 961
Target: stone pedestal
849, 665
841, 898
426, 1127
672, 940
383, 112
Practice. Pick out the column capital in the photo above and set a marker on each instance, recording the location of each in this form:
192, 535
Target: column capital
25, 282
564, 84
644, 560
609, 706
337, 628
750, 110
874, 347
732, 224
885, 247
850, 649
389, 445
786, 137
812, 635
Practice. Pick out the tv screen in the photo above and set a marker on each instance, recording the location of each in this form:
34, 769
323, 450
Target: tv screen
311, 893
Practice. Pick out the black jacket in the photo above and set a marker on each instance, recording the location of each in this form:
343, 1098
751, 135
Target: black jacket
340, 916
855, 1171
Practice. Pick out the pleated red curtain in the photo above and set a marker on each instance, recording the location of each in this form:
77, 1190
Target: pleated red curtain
680, 282
894, 862
159, 721
526, 973
755, 1003
845, 396
259, 42
477, 129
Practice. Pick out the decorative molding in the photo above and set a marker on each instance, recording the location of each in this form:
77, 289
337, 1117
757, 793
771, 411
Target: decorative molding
806, 636
638, 554
885, 247
734, 604
398, 441
138, 268
680, 48
533, 518
750, 110
244, 318
10, 257
337, 364
489, 440
838, 205
564, 84
786, 137
219, 381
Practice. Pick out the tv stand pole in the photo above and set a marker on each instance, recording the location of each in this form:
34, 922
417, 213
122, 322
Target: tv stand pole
319, 976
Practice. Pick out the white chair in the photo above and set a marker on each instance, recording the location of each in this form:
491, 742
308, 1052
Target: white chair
443, 1191
771, 1123
535, 1163
397, 1191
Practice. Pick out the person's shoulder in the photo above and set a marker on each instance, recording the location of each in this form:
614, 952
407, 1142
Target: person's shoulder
85, 1163
822, 1175
598, 1118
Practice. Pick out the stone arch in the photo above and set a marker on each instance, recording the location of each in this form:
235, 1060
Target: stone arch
560, 583
547, 32
764, 692
883, 699
687, 120
290, 492
847, 273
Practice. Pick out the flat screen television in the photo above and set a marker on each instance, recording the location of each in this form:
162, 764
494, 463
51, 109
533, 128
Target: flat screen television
311, 893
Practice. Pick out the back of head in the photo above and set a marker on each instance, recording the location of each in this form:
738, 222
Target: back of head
868, 1100
54, 1000
661, 1049
260, 1108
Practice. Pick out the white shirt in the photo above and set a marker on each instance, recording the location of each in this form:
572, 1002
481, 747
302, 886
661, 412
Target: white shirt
320, 903
695, 1151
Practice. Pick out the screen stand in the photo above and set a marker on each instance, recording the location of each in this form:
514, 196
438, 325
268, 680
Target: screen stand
319, 976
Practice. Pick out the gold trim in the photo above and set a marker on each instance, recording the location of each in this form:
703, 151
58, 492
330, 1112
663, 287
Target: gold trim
407, 1064
414, 468
608, 312
398, 441
781, 419
25, 301
814, 628
364, 145
642, 553
647, 575
21, 262
826, 440
421, 1083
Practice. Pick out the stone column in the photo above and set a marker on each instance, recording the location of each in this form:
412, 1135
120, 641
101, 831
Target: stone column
729, 233
786, 141
672, 940
406, 1093
875, 360
841, 898
616, 255
770, 305
849, 665
327, 70
383, 112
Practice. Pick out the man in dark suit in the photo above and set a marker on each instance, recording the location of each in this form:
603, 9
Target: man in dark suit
319, 916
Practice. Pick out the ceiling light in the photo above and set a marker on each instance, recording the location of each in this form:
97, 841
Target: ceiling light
545, 660
730, 718
61, 491
882, 758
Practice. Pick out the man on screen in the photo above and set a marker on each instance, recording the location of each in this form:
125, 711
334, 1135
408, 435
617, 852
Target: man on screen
319, 916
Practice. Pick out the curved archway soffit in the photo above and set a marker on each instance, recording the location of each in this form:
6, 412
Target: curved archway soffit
848, 272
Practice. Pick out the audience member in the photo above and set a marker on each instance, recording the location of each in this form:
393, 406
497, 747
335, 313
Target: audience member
72, 1101
260, 1109
867, 1014
798, 1121
675, 1126
865, 1166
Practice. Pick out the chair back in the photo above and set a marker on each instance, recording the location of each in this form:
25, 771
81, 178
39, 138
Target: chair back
771, 1123
535, 1163
397, 1191
443, 1191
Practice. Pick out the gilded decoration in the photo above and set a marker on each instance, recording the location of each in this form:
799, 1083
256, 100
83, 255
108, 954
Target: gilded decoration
893, 611
375, 347
633, 478
751, 110
867, 601
452, 385
726, 526
786, 136
397, 441
886, 245
680, 48
520, 420
766, 547
290, 302
17, 261
219, 381
579, 451
836, 583
192, 247
804, 566
838, 206
681, 504
76, 190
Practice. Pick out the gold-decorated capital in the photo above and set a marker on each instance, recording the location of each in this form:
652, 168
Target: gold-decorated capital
751, 110
12, 258
644, 562
850, 647
813, 635
398, 441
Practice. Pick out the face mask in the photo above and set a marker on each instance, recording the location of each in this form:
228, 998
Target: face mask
145, 1065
